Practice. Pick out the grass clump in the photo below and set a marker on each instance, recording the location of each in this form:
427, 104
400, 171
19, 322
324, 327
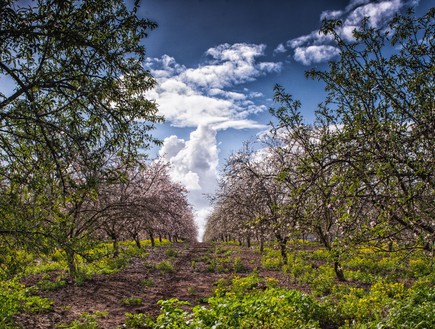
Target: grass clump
171, 253
165, 266
132, 301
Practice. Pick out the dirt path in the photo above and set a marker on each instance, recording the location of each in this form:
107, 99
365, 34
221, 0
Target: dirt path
191, 279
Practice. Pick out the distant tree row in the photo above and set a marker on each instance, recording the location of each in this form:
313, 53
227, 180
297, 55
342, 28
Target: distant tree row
364, 171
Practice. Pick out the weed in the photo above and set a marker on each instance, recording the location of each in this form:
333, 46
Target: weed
85, 321
165, 266
147, 282
132, 301
138, 320
192, 291
16, 298
49, 285
171, 253
238, 265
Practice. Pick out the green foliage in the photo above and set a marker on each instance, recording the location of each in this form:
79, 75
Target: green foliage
171, 253
85, 321
241, 305
138, 320
132, 301
14, 262
222, 260
360, 306
322, 282
47, 284
238, 265
16, 298
271, 263
420, 267
147, 282
414, 311
165, 266
172, 316
238, 286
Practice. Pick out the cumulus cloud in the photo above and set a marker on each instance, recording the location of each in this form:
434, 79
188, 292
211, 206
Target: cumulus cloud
316, 47
189, 97
315, 54
193, 163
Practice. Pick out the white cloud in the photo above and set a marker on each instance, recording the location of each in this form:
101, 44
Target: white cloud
239, 124
331, 14
193, 163
377, 12
201, 216
299, 41
316, 47
189, 97
315, 54
280, 49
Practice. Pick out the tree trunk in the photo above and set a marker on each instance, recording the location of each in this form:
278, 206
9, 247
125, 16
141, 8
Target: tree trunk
339, 271
283, 247
160, 238
115, 247
71, 262
248, 241
137, 240
261, 244
153, 243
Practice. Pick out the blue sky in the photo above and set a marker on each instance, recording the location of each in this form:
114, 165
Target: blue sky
216, 62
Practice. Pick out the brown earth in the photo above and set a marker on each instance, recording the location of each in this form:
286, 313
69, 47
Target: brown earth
190, 280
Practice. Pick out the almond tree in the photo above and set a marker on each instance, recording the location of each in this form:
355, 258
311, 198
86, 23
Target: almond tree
384, 105
75, 90
368, 161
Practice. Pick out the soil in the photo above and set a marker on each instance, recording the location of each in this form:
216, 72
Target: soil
190, 280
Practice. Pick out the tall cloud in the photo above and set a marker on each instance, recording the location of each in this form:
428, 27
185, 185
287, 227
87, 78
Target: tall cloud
194, 164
